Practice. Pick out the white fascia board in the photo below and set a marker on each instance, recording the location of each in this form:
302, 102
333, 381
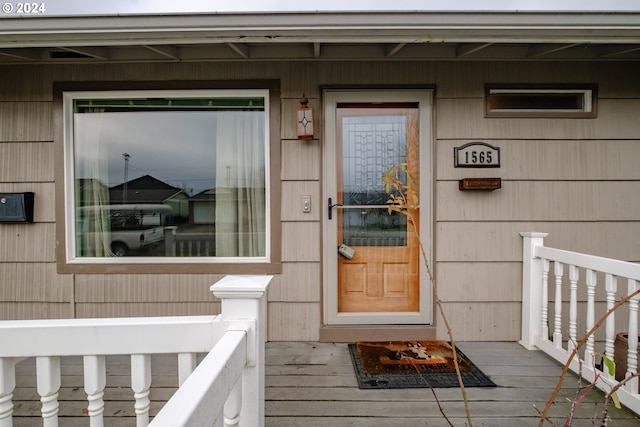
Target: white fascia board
361, 27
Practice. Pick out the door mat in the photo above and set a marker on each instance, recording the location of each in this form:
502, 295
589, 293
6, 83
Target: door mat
412, 364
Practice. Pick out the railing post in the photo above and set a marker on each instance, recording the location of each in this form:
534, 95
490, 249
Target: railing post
244, 298
531, 289
7, 385
170, 240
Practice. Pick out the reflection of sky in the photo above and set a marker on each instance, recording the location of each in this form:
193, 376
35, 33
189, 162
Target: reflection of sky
175, 147
85, 7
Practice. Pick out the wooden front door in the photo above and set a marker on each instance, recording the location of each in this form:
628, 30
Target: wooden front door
378, 264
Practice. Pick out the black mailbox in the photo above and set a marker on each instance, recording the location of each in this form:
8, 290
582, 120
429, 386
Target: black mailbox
16, 207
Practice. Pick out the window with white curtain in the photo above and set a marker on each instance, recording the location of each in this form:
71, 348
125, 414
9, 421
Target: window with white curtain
179, 174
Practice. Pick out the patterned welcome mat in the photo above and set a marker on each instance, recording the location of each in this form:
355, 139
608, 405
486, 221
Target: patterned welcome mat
412, 364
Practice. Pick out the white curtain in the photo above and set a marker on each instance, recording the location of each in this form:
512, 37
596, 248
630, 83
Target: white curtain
240, 184
92, 194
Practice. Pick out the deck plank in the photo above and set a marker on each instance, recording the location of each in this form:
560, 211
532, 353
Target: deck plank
314, 385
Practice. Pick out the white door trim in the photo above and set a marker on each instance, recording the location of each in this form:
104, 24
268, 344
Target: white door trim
331, 99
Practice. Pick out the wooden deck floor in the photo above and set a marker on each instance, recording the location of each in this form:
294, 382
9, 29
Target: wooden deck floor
313, 385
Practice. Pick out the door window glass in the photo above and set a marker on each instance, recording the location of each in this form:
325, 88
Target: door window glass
371, 144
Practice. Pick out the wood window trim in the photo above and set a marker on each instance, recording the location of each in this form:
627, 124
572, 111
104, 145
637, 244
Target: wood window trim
557, 89
274, 266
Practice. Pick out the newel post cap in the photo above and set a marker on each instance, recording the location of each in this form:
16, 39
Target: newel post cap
534, 234
241, 287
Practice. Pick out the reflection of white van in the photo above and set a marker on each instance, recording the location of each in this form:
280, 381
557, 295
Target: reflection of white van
133, 228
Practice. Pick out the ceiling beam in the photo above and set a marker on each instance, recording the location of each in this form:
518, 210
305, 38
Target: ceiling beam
93, 52
392, 50
167, 51
30, 54
617, 51
470, 48
240, 49
537, 51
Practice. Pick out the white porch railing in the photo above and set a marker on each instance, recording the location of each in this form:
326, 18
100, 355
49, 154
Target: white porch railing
226, 388
188, 244
585, 275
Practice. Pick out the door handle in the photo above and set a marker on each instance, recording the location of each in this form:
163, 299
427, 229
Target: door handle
332, 205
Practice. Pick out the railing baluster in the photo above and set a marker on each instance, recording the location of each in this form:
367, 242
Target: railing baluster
573, 307
632, 350
611, 287
186, 364
557, 324
48, 379
589, 352
140, 383
545, 299
233, 406
95, 380
7, 385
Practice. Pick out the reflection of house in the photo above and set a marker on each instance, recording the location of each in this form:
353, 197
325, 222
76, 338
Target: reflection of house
202, 207
148, 189
87, 186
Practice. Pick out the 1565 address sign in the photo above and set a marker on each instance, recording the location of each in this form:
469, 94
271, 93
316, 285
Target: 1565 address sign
476, 155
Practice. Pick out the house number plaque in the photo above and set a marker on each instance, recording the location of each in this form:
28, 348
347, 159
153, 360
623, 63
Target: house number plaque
476, 155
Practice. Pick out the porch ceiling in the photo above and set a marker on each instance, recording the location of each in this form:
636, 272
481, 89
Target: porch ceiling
322, 36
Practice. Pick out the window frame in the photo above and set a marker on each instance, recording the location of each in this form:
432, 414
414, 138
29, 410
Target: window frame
68, 262
588, 91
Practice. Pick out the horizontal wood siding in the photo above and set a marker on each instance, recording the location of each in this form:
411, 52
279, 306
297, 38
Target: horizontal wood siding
33, 282
292, 321
500, 241
25, 121
521, 201
148, 309
299, 282
573, 178
25, 163
27, 242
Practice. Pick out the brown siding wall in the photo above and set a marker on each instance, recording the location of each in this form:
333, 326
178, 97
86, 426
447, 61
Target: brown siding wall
576, 179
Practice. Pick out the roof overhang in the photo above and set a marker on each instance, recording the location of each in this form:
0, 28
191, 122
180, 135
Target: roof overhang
448, 35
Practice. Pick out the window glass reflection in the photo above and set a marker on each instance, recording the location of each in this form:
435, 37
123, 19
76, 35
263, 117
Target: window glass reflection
162, 177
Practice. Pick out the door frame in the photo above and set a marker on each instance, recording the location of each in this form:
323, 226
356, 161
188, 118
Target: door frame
424, 99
